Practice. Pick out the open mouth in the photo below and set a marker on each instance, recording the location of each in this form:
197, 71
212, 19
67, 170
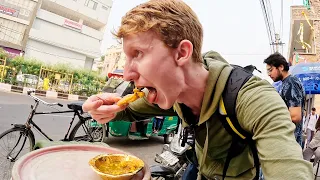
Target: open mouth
152, 95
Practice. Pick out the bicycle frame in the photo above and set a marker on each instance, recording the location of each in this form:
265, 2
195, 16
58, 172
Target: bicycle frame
28, 125
33, 113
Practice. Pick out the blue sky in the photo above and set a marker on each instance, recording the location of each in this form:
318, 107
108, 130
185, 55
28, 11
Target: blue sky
235, 29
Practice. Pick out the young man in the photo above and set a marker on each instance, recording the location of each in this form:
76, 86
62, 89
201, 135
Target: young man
162, 40
311, 124
313, 147
291, 91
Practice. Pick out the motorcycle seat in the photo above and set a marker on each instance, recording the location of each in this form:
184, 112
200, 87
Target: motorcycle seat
159, 170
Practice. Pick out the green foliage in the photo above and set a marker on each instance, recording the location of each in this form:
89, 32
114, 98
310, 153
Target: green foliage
3, 54
26, 66
85, 82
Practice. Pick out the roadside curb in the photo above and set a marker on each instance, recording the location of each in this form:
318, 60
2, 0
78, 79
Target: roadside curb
48, 94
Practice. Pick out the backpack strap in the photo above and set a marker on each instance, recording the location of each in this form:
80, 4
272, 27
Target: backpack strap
236, 80
240, 137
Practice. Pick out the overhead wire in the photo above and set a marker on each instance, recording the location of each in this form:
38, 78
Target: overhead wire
281, 20
274, 37
281, 24
264, 12
7, 35
270, 18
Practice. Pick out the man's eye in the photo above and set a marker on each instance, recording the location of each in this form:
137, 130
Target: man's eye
137, 53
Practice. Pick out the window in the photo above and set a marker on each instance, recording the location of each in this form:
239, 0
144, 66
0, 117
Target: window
91, 4
105, 8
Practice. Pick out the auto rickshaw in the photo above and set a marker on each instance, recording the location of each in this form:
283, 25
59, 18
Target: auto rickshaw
129, 129
136, 130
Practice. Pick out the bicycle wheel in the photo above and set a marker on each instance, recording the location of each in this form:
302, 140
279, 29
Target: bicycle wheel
14, 143
85, 131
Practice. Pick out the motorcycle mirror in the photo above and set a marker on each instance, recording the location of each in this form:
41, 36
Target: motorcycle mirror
165, 147
157, 159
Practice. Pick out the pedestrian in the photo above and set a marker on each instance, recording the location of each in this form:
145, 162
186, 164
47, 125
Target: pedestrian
291, 91
311, 124
162, 40
157, 123
313, 147
304, 127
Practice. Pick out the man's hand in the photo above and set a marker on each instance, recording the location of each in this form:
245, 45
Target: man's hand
102, 107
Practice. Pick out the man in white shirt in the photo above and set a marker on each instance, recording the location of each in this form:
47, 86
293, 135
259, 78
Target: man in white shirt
311, 124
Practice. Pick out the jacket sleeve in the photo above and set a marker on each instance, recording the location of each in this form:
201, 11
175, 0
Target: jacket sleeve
261, 111
141, 109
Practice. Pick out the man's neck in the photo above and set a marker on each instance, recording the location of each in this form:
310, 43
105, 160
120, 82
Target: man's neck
285, 75
193, 92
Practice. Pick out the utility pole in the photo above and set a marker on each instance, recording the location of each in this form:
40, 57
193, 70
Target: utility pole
277, 43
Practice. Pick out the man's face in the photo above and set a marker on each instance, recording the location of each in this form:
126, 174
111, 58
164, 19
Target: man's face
313, 112
274, 73
151, 64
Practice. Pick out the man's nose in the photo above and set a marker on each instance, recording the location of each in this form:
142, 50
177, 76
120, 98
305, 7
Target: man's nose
129, 74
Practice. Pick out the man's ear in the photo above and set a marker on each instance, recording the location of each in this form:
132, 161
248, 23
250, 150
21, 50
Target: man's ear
184, 52
281, 67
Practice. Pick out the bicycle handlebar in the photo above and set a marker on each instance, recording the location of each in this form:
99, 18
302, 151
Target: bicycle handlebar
42, 101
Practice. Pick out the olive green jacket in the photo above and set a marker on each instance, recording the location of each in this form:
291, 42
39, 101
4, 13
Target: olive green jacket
260, 111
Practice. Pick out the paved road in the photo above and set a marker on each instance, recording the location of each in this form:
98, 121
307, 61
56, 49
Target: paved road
14, 108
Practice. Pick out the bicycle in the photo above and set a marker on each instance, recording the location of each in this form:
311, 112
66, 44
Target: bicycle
93, 133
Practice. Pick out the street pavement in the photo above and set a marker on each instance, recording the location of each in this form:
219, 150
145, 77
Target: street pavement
15, 108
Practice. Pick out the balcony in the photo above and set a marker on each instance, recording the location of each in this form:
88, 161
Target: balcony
76, 11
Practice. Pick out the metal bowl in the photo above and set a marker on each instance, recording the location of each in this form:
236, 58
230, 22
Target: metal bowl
116, 166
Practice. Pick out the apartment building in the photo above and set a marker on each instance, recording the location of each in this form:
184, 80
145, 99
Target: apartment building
68, 31
114, 59
16, 18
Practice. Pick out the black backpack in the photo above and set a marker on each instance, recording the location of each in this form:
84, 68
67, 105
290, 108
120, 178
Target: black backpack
240, 138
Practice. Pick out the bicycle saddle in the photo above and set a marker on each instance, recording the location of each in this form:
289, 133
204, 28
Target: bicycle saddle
77, 106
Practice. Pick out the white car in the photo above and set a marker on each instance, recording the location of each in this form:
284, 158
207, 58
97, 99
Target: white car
29, 79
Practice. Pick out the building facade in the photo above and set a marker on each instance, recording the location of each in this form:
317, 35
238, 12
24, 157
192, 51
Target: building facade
16, 18
304, 42
68, 31
114, 59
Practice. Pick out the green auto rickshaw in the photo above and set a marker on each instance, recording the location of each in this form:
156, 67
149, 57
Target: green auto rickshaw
144, 128
132, 130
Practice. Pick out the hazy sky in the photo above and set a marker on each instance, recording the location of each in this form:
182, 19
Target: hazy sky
234, 28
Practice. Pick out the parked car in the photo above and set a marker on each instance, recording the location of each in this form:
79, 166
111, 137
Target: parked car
29, 79
63, 86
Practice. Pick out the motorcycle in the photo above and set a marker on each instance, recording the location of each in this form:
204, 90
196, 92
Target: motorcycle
173, 159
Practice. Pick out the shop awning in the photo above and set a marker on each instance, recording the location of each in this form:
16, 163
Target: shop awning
309, 75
